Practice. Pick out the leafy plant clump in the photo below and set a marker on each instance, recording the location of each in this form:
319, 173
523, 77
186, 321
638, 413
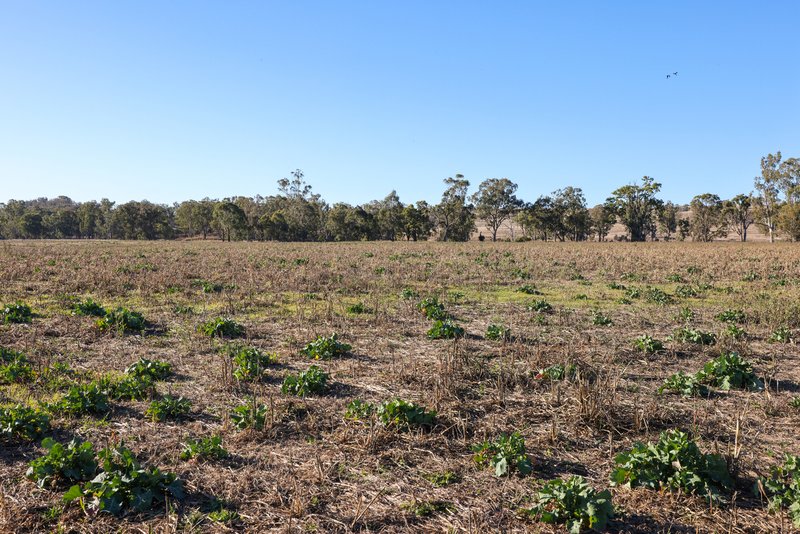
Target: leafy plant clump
88, 308
168, 407
325, 348
359, 410
686, 334
403, 415
82, 400
498, 333
599, 319
122, 320
358, 308
249, 362
445, 330
19, 312
124, 484
573, 503
17, 369
540, 306
782, 487
528, 289
781, 335
24, 423
149, 369
432, 309
648, 344
684, 384
675, 463
127, 387
73, 462
505, 454
250, 415
312, 381
557, 372
657, 296
731, 316
221, 327
730, 371
209, 448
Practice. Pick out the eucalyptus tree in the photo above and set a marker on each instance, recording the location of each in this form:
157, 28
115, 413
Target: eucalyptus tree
636, 206
495, 202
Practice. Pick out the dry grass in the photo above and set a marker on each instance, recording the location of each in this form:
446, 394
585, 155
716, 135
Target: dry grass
310, 470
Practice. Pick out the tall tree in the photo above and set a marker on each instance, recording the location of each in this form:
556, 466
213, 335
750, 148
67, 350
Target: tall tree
570, 214
767, 202
737, 214
230, 220
417, 221
667, 218
495, 202
602, 219
706, 218
454, 217
636, 206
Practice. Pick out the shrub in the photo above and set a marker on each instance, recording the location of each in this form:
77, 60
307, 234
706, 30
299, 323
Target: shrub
250, 363
221, 327
250, 415
73, 462
83, 399
445, 330
686, 385
573, 503
152, 369
782, 487
675, 463
122, 320
325, 348
209, 448
124, 483
505, 454
432, 308
312, 381
648, 344
168, 407
23, 423
88, 308
730, 371
403, 415
686, 334
19, 312
498, 333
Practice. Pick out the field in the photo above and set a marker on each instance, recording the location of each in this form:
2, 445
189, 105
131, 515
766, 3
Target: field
568, 379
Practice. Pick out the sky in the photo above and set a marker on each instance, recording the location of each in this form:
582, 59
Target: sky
177, 100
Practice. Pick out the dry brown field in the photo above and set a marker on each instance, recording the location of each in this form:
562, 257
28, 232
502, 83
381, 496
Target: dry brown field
311, 470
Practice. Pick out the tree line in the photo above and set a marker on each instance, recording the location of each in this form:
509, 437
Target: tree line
298, 214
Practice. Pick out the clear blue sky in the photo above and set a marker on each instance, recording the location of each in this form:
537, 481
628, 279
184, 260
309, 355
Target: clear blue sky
172, 100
